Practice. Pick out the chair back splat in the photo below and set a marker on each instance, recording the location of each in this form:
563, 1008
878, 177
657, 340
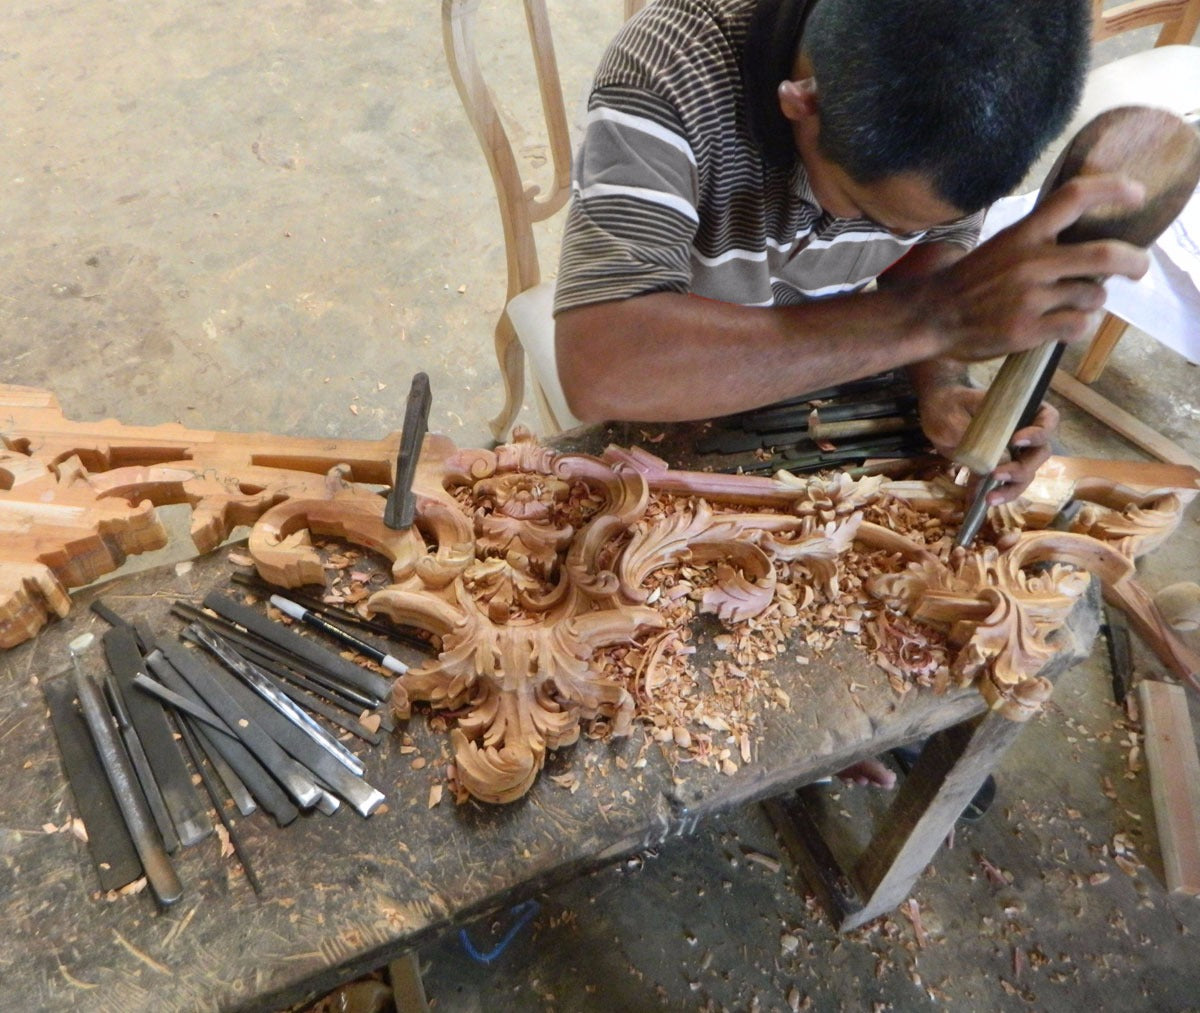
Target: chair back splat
1179, 19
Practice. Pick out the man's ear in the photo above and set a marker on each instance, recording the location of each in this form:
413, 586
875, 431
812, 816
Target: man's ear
798, 99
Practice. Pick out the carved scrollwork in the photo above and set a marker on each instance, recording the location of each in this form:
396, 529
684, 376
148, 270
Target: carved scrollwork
528, 564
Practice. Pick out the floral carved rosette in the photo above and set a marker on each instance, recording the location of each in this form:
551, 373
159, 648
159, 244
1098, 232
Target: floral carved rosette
526, 608
561, 548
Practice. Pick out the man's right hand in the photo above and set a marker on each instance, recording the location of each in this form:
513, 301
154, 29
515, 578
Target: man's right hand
1022, 288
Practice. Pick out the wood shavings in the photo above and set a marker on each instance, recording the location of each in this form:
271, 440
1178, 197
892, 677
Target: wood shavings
996, 876
128, 890
912, 911
223, 837
766, 861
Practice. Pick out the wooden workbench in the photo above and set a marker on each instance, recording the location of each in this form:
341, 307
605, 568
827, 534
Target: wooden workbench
343, 895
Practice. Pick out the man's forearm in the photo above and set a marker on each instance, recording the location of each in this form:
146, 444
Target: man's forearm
934, 373
671, 357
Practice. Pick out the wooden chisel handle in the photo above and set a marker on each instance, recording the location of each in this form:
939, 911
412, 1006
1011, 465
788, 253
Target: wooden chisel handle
1151, 146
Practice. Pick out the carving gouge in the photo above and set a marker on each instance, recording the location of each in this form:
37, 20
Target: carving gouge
214, 793
327, 661
1151, 146
314, 759
401, 505
157, 737
206, 681
256, 681
160, 873
179, 702
167, 662
141, 767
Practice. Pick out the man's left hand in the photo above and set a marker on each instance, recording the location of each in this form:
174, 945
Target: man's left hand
946, 411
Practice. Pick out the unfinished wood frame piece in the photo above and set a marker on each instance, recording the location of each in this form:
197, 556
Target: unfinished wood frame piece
76, 498
530, 565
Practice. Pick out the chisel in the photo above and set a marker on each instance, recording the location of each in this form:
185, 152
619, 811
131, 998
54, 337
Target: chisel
313, 759
157, 737
401, 503
141, 767
160, 873
262, 686
333, 664
210, 786
210, 686
108, 838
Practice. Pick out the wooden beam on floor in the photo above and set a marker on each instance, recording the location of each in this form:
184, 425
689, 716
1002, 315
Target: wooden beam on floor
1120, 421
1174, 782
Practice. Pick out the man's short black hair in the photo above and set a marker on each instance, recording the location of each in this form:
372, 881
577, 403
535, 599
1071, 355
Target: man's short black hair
967, 93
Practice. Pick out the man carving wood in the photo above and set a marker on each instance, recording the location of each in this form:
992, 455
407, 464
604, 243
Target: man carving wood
777, 157
817, 171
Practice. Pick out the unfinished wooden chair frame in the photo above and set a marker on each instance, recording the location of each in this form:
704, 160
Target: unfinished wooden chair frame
521, 204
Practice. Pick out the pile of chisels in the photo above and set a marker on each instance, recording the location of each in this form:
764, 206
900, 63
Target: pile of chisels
833, 428
259, 710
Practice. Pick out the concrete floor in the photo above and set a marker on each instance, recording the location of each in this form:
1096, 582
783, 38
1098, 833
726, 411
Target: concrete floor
267, 217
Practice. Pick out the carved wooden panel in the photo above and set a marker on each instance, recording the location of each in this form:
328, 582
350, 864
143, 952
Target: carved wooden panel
77, 497
535, 569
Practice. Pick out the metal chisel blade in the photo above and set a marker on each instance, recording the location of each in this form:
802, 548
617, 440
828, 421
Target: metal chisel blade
401, 504
154, 731
331, 773
108, 840
207, 681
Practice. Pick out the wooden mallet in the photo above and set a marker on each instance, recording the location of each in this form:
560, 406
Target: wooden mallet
1152, 146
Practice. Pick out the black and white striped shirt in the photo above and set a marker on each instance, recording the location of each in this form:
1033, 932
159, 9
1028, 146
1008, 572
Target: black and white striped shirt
672, 193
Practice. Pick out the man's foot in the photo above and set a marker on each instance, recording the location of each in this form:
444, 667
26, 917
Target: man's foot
869, 772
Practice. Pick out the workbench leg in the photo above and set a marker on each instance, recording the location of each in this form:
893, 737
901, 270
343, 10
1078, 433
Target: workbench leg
951, 769
407, 987
793, 818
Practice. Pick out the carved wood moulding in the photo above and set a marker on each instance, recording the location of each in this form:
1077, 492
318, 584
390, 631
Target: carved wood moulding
544, 573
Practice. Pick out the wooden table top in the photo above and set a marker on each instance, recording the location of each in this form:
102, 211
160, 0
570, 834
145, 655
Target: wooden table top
343, 895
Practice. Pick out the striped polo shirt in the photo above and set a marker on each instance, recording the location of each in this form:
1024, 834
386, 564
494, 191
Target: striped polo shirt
671, 193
